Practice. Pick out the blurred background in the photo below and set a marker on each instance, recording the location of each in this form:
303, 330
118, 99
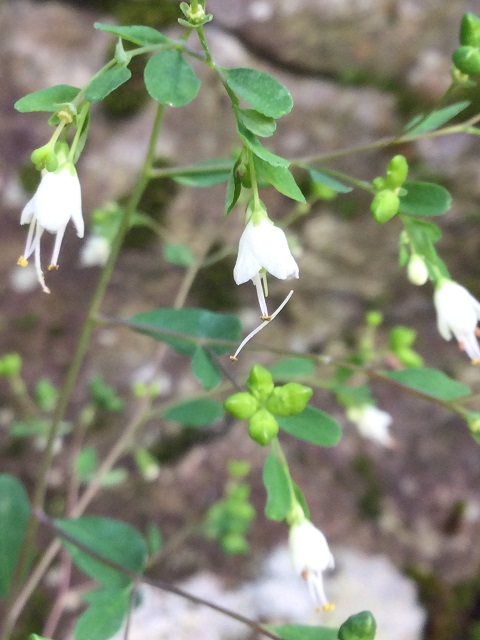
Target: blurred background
358, 70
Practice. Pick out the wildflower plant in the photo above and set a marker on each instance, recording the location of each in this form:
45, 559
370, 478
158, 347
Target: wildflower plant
278, 399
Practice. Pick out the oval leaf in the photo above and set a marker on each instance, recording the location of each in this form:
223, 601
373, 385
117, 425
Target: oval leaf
49, 99
328, 181
107, 82
262, 91
205, 369
280, 178
292, 367
114, 540
257, 123
436, 119
14, 515
205, 173
105, 615
170, 79
193, 323
259, 150
138, 34
425, 199
195, 413
304, 632
431, 382
312, 425
279, 500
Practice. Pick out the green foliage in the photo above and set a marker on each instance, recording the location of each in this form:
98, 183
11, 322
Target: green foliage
205, 173
436, 119
50, 99
14, 515
400, 341
46, 394
194, 324
292, 367
431, 382
205, 369
425, 199
304, 632
312, 425
257, 123
179, 254
170, 79
327, 181
86, 465
107, 610
277, 485
10, 365
258, 149
195, 413
106, 82
260, 90
104, 396
280, 178
113, 540
138, 34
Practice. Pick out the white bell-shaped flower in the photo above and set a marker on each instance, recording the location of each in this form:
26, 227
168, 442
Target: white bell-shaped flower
372, 423
311, 556
57, 200
458, 313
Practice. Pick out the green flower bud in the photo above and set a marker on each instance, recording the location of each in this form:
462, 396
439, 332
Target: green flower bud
241, 405
233, 543
385, 205
374, 318
409, 358
378, 183
360, 626
402, 337
397, 170
10, 364
467, 60
260, 382
417, 270
470, 30
290, 399
263, 427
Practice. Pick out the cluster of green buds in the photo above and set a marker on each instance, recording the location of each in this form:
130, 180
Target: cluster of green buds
401, 342
466, 58
388, 190
195, 14
263, 401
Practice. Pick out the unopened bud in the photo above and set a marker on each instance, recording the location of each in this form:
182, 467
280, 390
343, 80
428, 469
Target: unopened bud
417, 271
361, 626
385, 205
289, 400
470, 30
397, 170
241, 405
260, 382
467, 60
263, 427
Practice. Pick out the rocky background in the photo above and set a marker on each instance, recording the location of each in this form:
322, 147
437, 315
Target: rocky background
357, 70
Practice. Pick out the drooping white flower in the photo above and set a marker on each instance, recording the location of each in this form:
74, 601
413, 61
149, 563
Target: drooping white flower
458, 313
311, 556
263, 248
57, 200
372, 423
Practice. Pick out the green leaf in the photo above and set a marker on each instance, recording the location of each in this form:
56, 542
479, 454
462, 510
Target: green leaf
49, 99
106, 82
195, 413
205, 369
304, 632
280, 178
425, 199
256, 122
436, 119
312, 425
170, 79
114, 540
292, 367
328, 181
105, 615
258, 149
275, 479
262, 91
179, 254
194, 323
234, 188
14, 515
431, 382
138, 34
205, 173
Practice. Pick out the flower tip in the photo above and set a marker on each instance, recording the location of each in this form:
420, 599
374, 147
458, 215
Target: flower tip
22, 262
328, 606
233, 358
476, 362
52, 267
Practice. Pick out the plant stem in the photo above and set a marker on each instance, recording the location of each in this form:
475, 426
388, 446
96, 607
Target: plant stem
72, 374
